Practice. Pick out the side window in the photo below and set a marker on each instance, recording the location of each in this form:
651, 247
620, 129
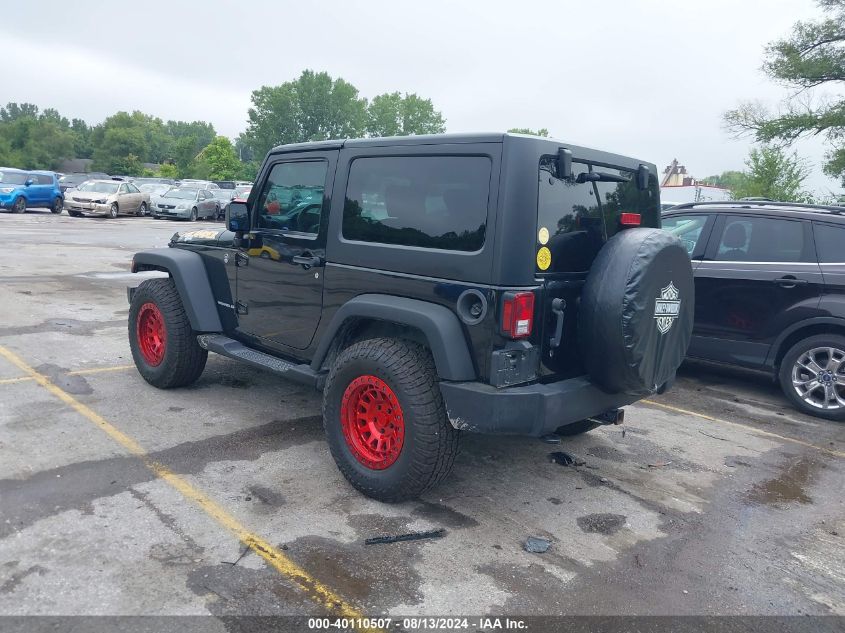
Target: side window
686, 228
748, 239
43, 179
132, 188
292, 197
830, 243
429, 201
122, 189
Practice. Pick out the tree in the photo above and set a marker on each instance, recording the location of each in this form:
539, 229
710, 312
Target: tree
217, 161
168, 170
811, 57
311, 108
732, 180
392, 114
772, 174
524, 130
33, 140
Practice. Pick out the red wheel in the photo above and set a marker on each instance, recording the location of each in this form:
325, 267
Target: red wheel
152, 334
372, 421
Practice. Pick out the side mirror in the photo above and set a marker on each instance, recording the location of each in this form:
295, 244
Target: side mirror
642, 178
29, 181
237, 217
564, 163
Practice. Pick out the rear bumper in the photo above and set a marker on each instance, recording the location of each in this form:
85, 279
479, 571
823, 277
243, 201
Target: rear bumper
532, 410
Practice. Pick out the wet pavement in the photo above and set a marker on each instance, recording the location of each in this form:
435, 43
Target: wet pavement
715, 498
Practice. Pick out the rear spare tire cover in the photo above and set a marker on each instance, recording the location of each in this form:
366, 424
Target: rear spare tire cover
636, 313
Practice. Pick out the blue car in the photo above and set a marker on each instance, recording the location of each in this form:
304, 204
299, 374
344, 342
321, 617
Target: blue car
20, 190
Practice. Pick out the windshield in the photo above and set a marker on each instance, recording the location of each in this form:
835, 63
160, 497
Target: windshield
575, 219
182, 194
223, 194
13, 177
99, 187
153, 188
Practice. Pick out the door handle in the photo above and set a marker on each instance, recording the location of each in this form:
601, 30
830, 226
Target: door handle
788, 281
307, 260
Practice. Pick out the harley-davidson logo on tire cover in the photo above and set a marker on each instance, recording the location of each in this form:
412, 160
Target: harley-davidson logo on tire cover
667, 307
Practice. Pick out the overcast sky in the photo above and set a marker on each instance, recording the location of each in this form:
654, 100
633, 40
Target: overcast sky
650, 78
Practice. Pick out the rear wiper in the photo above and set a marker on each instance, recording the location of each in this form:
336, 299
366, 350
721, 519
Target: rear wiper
599, 176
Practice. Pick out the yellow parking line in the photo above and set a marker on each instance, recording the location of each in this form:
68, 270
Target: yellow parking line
313, 588
746, 427
78, 372
99, 370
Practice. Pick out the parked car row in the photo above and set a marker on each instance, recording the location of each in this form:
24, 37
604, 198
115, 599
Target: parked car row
111, 196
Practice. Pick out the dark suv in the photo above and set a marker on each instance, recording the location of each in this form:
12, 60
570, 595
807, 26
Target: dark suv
770, 293
430, 285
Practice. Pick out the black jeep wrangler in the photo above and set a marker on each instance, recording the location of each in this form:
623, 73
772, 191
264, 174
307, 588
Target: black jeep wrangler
430, 285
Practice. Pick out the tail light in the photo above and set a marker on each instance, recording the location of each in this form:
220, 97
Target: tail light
630, 219
518, 314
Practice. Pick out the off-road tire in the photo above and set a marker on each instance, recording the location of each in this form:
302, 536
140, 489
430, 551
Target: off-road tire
184, 359
19, 206
835, 341
576, 428
430, 442
57, 206
113, 211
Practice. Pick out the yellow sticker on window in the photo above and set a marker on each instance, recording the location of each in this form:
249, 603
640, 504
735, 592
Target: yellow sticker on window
543, 236
544, 258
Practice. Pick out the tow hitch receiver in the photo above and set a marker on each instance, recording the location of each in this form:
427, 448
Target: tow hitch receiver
613, 416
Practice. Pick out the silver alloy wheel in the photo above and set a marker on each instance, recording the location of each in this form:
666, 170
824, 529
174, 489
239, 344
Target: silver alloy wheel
19, 206
193, 215
113, 210
818, 377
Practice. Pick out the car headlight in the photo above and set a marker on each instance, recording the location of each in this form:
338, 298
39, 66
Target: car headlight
182, 207
7, 190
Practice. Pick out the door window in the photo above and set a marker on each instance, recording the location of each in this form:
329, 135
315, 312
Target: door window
435, 202
43, 179
747, 239
132, 188
122, 189
830, 243
291, 199
686, 228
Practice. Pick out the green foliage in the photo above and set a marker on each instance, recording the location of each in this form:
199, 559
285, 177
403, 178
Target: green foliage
772, 174
811, 57
732, 180
313, 107
392, 114
524, 130
167, 170
30, 139
217, 161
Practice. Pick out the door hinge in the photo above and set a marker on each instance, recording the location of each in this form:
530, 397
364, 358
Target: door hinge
241, 259
241, 307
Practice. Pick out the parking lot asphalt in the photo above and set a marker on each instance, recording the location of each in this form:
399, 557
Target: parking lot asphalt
117, 498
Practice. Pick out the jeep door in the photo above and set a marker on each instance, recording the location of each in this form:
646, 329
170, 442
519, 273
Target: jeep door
280, 273
759, 275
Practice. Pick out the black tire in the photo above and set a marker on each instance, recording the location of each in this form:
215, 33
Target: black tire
836, 380
183, 360
74, 214
142, 210
113, 210
430, 442
194, 214
19, 206
576, 428
57, 206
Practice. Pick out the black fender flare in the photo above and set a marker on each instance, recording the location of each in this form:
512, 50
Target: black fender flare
188, 272
439, 325
774, 350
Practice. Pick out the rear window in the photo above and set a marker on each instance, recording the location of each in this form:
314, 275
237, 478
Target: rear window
575, 219
437, 202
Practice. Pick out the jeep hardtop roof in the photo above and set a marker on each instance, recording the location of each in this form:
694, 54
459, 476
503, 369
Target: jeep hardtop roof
550, 145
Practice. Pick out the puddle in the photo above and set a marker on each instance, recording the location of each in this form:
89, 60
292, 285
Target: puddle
790, 486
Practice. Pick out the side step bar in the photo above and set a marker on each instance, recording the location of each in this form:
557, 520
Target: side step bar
226, 346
